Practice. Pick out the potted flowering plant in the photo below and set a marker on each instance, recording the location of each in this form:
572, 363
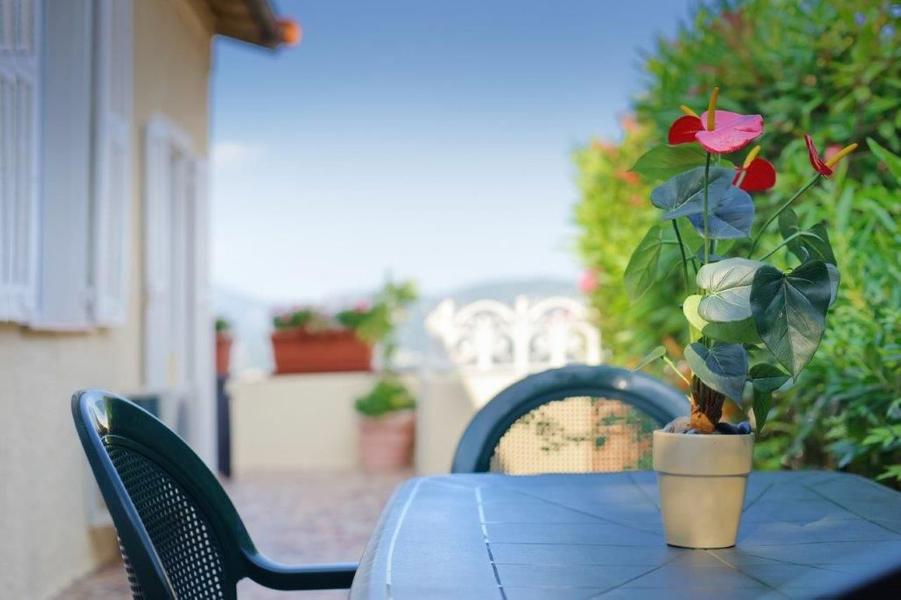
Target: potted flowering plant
753, 325
307, 340
223, 346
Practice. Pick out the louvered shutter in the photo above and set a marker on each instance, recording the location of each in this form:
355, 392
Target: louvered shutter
203, 369
112, 161
157, 254
19, 102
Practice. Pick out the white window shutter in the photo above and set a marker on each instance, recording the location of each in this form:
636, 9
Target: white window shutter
19, 134
112, 153
64, 297
157, 254
203, 418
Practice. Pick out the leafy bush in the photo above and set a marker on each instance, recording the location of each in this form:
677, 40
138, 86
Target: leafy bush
828, 68
614, 215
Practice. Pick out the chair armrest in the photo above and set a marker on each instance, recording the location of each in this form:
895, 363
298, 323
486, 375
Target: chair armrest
305, 577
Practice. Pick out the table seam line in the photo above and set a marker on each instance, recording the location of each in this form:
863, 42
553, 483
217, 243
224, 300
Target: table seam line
484, 528
394, 534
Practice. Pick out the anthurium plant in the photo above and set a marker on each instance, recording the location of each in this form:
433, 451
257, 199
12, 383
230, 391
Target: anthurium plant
755, 315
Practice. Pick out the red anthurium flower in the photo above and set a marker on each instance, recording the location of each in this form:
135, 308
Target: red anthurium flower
755, 174
684, 129
718, 131
815, 161
824, 167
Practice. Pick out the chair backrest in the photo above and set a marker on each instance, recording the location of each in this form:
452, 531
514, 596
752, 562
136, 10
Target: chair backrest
578, 417
179, 533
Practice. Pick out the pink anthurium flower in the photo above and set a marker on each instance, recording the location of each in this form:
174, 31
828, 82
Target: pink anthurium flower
755, 174
717, 131
824, 167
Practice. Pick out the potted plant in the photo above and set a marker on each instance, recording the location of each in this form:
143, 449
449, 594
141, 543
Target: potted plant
387, 425
387, 418
223, 346
306, 340
755, 316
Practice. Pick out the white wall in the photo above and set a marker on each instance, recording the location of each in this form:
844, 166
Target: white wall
309, 421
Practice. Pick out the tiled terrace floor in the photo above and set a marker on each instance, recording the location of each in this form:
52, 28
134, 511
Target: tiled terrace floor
293, 518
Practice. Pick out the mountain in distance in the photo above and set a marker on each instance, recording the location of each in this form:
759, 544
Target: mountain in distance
251, 318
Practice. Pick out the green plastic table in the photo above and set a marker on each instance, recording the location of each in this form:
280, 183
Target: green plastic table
490, 536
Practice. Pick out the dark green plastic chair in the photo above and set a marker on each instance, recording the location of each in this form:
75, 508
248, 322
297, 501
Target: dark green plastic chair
179, 533
650, 397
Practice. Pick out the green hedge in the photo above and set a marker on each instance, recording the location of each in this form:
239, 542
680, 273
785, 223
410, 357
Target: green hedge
831, 69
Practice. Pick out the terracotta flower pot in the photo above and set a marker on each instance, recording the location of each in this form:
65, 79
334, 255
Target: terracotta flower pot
299, 351
386, 442
702, 481
223, 354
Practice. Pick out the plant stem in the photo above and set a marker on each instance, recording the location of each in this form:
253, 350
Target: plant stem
779, 211
675, 369
797, 234
684, 257
706, 218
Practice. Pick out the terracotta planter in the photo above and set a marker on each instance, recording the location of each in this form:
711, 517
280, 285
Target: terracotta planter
386, 442
299, 351
702, 481
223, 354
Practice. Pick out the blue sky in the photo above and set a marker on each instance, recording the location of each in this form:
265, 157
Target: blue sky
426, 138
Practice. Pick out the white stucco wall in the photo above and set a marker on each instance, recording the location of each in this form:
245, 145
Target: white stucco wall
45, 539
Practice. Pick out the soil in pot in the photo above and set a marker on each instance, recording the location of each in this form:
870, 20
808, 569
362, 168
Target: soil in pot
386, 442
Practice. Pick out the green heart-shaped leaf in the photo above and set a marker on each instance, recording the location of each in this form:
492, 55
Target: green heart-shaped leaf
728, 285
656, 353
723, 367
767, 377
740, 332
810, 244
662, 162
761, 406
650, 262
730, 210
790, 311
690, 310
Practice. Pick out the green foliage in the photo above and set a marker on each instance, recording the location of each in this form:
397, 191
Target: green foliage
388, 395
614, 214
828, 68
372, 323
378, 325
298, 319
831, 69
222, 325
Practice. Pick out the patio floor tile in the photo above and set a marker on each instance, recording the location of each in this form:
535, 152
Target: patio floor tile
293, 517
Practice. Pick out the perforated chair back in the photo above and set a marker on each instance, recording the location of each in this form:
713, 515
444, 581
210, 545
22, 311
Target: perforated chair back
179, 533
577, 418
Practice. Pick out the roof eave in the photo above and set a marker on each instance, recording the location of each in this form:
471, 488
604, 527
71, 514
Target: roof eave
250, 21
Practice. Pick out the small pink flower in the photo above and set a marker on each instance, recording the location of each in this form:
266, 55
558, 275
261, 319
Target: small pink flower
589, 281
361, 306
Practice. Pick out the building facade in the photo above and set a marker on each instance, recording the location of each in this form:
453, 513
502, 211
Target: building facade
103, 249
